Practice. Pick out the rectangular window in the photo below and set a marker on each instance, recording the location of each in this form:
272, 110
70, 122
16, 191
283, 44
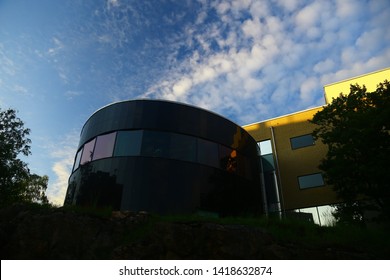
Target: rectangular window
182, 147
265, 147
311, 181
128, 143
302, 141
155, 144
267, 162
88, 152
104, 146
208, 153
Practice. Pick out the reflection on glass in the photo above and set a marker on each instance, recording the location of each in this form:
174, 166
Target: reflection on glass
88, 152
128, 143
77, 161
104, 146
208, 153
228, 159
182, 147
164, 145
155, 144
243, 166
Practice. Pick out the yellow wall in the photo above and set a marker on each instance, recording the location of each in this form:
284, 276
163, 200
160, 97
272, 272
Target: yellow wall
305, 161
370, 80
294, 163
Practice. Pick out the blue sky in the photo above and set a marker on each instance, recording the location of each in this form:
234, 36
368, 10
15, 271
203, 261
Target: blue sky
61, 60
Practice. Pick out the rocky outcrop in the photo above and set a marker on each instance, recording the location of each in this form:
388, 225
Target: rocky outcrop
56, 233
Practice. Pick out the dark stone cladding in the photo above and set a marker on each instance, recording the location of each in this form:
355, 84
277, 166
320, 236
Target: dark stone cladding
167, 185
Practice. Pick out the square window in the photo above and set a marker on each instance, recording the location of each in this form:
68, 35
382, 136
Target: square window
265, 147
182, 147
128, 143
104, 146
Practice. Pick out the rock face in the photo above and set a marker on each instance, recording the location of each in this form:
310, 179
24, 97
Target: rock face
27, 233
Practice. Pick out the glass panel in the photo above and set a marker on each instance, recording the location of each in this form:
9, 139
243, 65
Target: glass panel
310, 181
77, 160
208, 153
228, 159
88, 152
104, 146
265, 147
302, 141
243, 166
155, 144
268, 162
128, 143
182, 147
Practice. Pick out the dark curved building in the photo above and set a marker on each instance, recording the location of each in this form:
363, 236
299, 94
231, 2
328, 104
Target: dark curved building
165, 157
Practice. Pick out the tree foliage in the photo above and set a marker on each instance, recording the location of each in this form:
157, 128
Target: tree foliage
356, 129
16, 182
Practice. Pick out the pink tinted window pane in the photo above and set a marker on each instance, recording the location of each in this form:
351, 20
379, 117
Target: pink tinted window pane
88, 152
104, 146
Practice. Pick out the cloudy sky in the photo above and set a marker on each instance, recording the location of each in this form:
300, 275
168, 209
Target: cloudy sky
61, 60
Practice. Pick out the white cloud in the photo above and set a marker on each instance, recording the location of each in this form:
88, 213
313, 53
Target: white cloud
181, 87
367, 40
63, 153
71, 94
112, 3
223, 7
347, 8
259, 9
20, 89
58, 46
7, 65
308, 16
307, 94
289, 5
276, 60
324, 66
252, 28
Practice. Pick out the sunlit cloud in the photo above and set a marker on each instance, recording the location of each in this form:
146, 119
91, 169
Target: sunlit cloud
284, 55
63, 157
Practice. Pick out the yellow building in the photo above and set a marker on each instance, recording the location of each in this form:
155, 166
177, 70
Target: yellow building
290, 156
370, 80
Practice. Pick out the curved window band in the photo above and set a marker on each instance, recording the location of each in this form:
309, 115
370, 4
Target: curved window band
163, 145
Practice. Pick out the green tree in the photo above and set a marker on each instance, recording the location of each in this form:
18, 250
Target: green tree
356, 129
17, 184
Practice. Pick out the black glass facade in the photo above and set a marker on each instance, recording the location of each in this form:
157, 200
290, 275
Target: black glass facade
165, 157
